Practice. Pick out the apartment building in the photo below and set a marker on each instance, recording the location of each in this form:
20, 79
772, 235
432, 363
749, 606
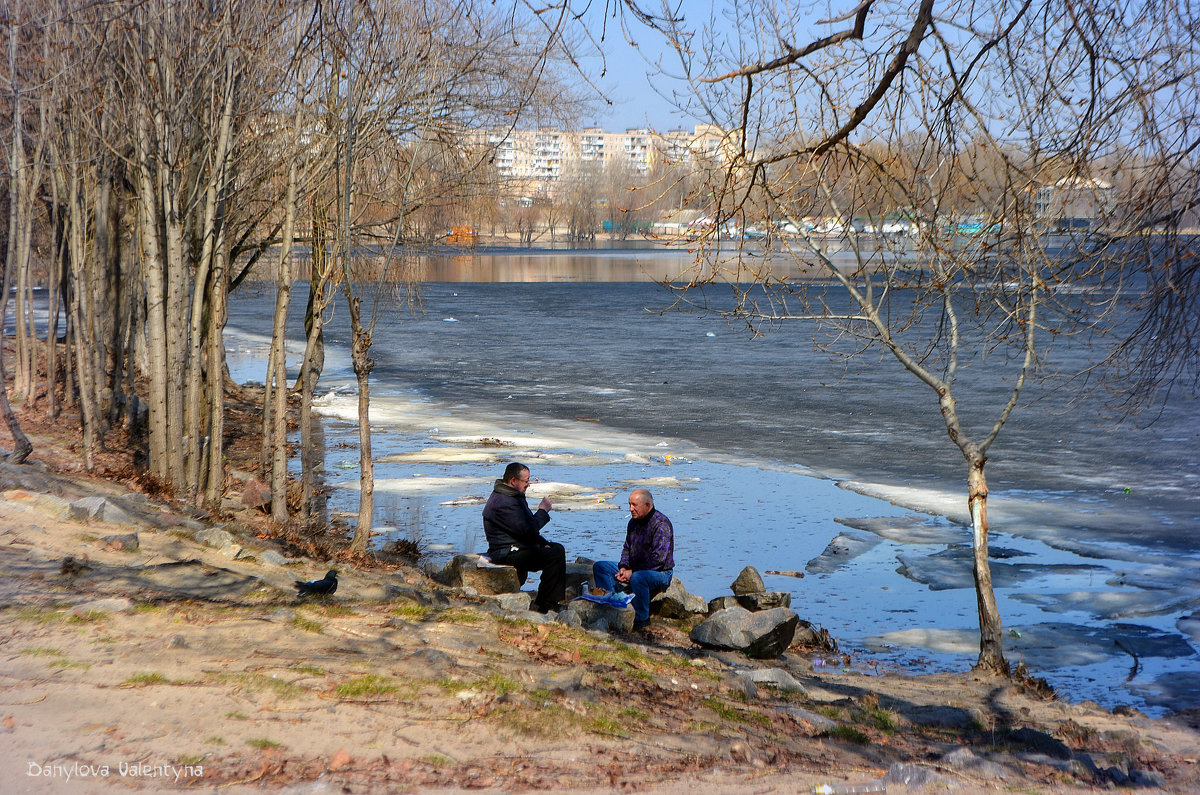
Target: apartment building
543, 157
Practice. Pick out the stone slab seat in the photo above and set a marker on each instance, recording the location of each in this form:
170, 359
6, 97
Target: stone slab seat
476, 571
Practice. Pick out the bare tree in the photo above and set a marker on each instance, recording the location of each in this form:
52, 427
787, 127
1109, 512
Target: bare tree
964, 127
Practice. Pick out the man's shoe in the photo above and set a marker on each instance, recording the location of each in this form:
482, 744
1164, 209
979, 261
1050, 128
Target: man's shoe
639, 626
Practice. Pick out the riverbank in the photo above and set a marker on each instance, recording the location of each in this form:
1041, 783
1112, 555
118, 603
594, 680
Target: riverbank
176, 663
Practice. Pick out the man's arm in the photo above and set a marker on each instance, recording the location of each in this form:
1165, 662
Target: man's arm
661, 554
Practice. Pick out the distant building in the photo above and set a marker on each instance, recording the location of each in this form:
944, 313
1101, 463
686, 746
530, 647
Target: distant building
540, 158
1073, 202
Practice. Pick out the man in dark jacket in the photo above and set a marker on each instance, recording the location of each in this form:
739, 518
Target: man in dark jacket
647, 559
514, 537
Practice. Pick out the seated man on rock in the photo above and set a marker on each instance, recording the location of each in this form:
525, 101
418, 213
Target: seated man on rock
514, 537
647, 558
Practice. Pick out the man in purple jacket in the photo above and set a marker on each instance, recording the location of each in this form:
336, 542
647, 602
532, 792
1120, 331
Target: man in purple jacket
514, 537
647, 559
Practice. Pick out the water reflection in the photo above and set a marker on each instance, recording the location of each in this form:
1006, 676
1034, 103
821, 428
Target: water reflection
629, 262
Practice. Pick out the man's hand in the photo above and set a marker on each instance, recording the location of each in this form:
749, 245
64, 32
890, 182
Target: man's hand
544, 505
623, 575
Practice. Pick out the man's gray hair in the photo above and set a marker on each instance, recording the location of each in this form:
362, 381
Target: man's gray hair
648, 499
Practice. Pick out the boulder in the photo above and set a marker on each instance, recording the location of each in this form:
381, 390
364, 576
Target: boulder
755, 602
476, 571
721, 603
420, 594
579, 577
819, 722
215, 537
967, 761
916, 778
274, 558
117, 604
593, 615
777, 678
676, 602
125, 542
46, 504
512, 602
256, 495
749, 581
100, 509
764, 634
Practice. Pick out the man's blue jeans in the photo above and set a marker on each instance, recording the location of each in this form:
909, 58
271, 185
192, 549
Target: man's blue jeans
642, 584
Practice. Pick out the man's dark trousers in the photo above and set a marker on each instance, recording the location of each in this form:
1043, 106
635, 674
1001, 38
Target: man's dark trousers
551, 561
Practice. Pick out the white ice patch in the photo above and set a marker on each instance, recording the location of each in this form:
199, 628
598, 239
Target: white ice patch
660, 482
246, 355
455, 426
417, 485
443, 455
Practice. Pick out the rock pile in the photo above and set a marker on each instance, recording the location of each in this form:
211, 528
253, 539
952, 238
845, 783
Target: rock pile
753, 621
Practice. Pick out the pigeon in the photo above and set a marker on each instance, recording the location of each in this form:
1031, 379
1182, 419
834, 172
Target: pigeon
321, 587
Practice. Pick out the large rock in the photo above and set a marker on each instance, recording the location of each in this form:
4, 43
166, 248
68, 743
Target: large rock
749, 581
593, 615
214, 537
755, 602
518, 602
125, 542
762, 635
476, 571
47, 504
722, 603
775, 677
676, 602
256, 495
101, 509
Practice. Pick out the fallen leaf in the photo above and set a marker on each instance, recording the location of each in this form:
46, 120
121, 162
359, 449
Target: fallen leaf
341, 758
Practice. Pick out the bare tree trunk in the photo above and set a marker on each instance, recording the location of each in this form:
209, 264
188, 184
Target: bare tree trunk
218, 307
991, 638
312, 458
24, 178
277, 382
202, 291
362, 363
153, 269
83, 341
21, 444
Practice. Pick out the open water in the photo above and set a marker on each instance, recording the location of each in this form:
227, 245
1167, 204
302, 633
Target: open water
771, 454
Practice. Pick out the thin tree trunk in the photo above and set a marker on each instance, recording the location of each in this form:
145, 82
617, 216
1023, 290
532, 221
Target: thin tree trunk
202, 290
277, 382
312, 459
21, 444
156, 304
216, 375
991, 638
361, 361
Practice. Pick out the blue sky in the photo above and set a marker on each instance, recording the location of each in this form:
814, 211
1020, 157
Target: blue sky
627, 82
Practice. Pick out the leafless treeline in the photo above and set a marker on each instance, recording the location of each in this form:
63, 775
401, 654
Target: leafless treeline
974, 126
156, 152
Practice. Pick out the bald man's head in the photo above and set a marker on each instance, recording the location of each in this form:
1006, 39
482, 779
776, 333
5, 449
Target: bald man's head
640, 503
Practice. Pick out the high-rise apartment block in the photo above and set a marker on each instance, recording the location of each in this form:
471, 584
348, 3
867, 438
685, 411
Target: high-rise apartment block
545, 156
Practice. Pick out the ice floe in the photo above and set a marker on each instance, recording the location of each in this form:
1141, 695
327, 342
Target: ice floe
1110, 605
909, 529
662, 482
952, 568
1046, 646
841, 550
417, 485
